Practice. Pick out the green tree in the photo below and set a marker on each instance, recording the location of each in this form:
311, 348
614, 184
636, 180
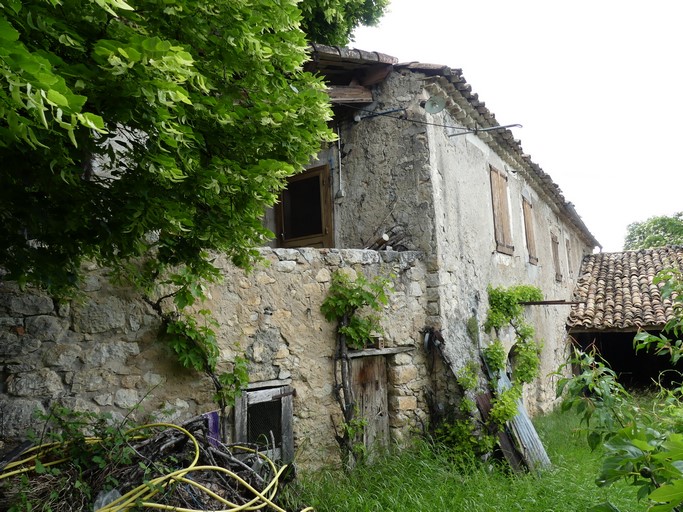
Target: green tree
146, 136
158, 129
655, 232
333, 21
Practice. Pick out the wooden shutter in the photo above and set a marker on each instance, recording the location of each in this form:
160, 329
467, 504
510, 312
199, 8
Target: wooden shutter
528, 212
501, 211
556, 257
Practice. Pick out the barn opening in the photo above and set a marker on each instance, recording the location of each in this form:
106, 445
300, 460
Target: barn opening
635, 370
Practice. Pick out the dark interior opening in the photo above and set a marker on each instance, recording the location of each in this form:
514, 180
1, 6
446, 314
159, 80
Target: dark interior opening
262, 419
634, 370
302, 208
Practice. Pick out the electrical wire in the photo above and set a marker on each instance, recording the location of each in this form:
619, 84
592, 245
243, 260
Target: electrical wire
143, 494
404, 117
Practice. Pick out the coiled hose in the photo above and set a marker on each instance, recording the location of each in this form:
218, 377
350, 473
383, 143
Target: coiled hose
143, 494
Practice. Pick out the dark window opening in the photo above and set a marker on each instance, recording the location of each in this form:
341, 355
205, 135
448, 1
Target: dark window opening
304, 213
264, 424
264, 416
302, 209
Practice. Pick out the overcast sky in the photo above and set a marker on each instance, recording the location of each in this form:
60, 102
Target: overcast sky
597, 86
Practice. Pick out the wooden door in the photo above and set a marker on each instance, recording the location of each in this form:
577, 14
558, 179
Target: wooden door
369, 381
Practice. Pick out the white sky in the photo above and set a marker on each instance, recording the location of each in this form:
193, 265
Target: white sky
597, 85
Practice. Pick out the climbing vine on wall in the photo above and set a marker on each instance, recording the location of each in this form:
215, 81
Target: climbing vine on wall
350, 303
506, 310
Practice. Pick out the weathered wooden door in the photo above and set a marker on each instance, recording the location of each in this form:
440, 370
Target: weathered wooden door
369, 381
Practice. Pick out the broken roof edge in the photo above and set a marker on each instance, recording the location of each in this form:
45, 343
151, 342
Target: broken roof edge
351, 54
460, 92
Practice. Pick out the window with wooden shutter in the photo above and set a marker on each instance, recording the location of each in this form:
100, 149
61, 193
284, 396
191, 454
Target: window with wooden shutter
501, 211
556, 257
568, 246
264, 417
528, 211
304, 213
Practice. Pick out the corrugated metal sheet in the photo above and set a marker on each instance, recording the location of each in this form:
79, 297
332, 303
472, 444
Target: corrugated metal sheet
524, 434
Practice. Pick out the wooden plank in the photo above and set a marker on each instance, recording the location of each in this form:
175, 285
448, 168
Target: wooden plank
241, 431
372, 352
349, 94
369, 381
287, 425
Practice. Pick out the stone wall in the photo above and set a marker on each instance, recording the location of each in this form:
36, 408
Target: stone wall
274, 314
101, 351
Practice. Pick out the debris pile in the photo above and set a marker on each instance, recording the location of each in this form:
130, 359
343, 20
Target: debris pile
160, 466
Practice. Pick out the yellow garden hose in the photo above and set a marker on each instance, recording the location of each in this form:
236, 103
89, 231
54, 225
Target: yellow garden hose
143, 494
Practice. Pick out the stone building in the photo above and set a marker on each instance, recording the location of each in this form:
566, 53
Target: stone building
423, 185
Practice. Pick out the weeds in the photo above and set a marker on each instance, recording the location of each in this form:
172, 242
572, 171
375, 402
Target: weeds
427, 477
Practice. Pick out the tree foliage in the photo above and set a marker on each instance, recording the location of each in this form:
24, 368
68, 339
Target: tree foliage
643, 445
159, 129
655, 232
333, 21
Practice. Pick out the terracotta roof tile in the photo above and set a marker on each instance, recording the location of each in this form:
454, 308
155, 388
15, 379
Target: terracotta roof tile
616, 291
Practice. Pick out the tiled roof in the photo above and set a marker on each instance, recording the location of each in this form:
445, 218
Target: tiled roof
615, 290
463, 105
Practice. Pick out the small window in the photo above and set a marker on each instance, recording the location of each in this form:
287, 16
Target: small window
527, 210
264, 417
304, 213
501, 211
556, 257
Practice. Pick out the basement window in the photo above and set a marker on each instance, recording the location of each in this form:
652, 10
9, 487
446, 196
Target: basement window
304, 212
501, 211
264, 417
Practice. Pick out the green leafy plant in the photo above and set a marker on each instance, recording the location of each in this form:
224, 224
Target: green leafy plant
344, 301
668, 342
505, 304
506, 310
495, 356
468, 376
333, 21
643, 446
504, 407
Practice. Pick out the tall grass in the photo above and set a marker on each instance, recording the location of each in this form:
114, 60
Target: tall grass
423, 479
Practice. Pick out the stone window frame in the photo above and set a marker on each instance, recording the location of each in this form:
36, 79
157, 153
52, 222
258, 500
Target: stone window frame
528, 214
324, 239
268, 391
501, 211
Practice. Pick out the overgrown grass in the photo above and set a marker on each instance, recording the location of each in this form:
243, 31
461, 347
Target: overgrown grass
421, 479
